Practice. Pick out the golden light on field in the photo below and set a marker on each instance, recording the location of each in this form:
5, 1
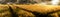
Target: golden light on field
29, 8
33, 7
39, 7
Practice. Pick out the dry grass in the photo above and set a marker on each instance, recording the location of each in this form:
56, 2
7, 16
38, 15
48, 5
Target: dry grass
4, 11
33, 8
39, 7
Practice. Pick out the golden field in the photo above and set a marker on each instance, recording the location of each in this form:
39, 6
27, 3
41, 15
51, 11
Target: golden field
30, 10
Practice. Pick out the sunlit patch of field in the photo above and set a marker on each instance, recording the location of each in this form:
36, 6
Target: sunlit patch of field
39, 7
33, 8
4, 11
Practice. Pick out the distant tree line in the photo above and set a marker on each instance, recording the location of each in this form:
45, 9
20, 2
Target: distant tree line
24, 1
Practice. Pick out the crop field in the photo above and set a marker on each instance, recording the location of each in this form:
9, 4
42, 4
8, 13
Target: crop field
29, 10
